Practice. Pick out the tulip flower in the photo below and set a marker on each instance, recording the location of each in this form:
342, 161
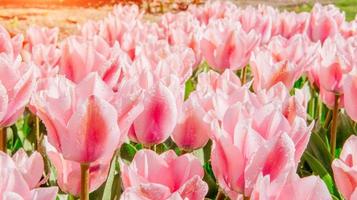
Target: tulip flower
20, 176
17, 83
191, 131
290, 186
291, 23
41, 35
225, 45
344, 169
46, 60
68, 172
349, 88
10, 46
79, 121
324, 22
166, 176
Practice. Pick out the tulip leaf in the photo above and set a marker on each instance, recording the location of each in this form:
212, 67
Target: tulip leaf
109, 185
127, 151
315, 164
345, 128
189, 87
318, 149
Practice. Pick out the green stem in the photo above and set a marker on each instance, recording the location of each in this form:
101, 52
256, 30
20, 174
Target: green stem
84, 181
3, 139
220, 195
334, 126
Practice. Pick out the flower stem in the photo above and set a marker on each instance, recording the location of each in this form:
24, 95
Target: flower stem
84, 181
243, 76
334, 126
220, 195
3, 139
38, 133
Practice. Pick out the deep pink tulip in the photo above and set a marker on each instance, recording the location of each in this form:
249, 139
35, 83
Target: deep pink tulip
344, 169
290, 186
69, 172
36, 35
159, 177
18, 176
17, 83
79, 118
191, 131
225, 45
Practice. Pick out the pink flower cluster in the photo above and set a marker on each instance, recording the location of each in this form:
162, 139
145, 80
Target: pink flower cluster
124, 79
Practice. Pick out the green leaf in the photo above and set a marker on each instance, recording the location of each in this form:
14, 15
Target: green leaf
315, 164
189, 87
108, 188
127, 151
318, 149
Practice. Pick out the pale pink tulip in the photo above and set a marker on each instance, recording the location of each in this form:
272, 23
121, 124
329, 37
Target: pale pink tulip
349, 89
79, 118
68, 172
290, 186
324, 22
10, 46
17, 83
225, 45
46, 60
79, 57
291, 23
344, 169
191, 131
36, 35
336, 62
158, 119
159, 177
259, 20
183, 29
30, 167
15, 183
282, 60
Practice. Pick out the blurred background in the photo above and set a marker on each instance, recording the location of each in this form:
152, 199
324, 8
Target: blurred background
18, 15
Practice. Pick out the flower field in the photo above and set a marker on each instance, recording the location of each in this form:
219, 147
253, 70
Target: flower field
214, 102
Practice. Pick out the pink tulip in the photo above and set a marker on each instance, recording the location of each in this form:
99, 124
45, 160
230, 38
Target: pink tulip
191, 131
19, 175
291, 23
344, 169
17, 82
225, 45
290, 186
160, 177
46, 58
349, 89
10, 46
79, 118
31, 167
183, 29
213, 10
68, 172
80, 57
282, 60
158, 119
336, 62
259, 20
41, 35
324, 22
215, 93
